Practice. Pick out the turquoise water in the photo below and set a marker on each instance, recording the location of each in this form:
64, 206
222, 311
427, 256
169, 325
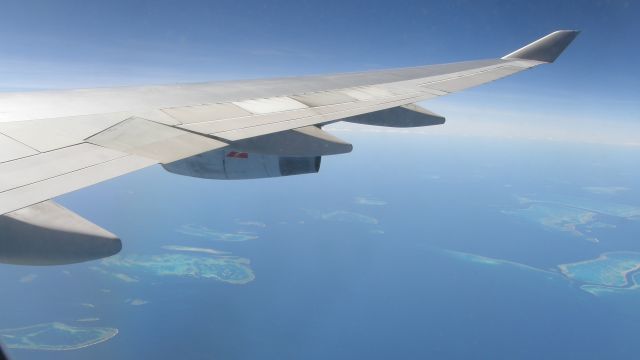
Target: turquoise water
55, 337
613, 269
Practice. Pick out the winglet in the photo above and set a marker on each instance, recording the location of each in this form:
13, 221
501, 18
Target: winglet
546, 49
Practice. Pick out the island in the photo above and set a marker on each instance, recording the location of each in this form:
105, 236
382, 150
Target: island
55, 336
610, 272
577, 216
349, 217
205, 232
484, 260
371, 201
229, 269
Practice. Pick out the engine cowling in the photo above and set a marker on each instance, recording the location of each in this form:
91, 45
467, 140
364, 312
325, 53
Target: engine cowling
230, 164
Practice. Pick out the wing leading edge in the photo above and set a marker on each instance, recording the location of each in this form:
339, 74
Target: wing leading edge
54, 142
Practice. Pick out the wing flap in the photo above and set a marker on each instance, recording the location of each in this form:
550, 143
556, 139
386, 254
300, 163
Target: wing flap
219, 126
324, 98
160, 142
206, 112
276, 126
333, 105
54, 133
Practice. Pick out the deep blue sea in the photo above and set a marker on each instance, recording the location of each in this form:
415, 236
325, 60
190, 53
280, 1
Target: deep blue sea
413, 246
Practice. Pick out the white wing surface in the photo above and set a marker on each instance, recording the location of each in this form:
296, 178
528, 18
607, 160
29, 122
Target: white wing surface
54, 142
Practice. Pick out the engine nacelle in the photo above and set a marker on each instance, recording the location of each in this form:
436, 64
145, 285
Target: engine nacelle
227, 164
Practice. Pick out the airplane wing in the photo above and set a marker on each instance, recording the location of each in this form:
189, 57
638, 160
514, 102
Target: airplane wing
55, 142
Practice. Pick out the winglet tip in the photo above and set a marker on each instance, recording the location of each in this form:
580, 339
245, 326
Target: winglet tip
546, 49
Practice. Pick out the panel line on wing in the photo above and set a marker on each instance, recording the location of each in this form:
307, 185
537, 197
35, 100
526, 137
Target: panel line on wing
220, 126
462, 75
55, 163
13, 149
270, 105
257, 130
49, 188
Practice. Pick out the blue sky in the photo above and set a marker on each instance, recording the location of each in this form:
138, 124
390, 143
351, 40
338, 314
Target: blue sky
66, 44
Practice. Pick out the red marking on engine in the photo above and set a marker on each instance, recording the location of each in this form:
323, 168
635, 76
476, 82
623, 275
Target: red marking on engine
238, 155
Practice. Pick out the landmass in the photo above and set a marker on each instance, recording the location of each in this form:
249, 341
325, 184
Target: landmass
577, 216
557, 217
203, 231
119, 276
494, 262
88, 319
605, 190
251, 223
136, 302
55, 336
347, 216
364, 200
229, 269
610, 272
125, 277
195, 249
28, 278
